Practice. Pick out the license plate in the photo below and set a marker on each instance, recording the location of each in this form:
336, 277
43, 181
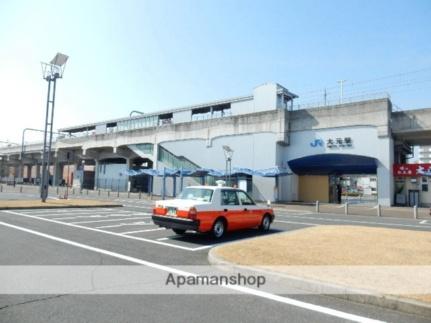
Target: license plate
172, 211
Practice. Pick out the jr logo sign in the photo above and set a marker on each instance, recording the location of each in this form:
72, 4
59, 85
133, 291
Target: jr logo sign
316, 143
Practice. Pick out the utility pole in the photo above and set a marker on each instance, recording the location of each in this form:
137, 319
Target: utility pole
341, 82
325, 95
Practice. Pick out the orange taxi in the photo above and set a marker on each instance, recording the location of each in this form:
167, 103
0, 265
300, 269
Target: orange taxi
212, 209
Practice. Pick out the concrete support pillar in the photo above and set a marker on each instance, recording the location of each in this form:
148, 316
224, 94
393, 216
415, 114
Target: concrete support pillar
150, 185
96, 174
28, 172
129, 166
155, 155
38, 172
78, 175
164, 184
58, 172
19, 171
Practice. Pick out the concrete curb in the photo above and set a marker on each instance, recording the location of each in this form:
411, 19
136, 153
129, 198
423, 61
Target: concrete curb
360, 296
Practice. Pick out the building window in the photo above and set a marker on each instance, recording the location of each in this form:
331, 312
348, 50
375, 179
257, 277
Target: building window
424, 187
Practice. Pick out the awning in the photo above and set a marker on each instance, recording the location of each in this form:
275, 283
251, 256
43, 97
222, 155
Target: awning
333, 164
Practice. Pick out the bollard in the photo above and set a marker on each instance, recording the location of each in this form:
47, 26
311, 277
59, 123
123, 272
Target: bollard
415, 211
128, 194
87, 192
98, 192
20, 189
118, 193
317, 207
1, 188
140, 195
379, 210
109, 193
57, 190
346, 208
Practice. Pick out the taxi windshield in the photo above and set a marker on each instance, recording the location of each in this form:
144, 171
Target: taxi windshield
198, 194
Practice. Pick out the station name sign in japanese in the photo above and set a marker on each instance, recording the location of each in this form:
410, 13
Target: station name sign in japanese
339, 142
412, 170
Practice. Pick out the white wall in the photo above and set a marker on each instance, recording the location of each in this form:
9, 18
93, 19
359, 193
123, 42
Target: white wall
242, 107
265, 97
182, 116
252, 151
255, 151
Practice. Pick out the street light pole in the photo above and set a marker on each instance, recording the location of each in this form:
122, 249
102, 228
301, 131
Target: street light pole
228, 153
51, 72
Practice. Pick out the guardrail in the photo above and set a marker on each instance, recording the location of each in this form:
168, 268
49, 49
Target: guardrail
378, 210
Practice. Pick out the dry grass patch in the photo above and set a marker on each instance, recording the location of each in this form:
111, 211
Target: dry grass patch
387, 261
334, 245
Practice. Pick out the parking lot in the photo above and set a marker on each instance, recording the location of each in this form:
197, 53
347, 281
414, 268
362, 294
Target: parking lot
126, 235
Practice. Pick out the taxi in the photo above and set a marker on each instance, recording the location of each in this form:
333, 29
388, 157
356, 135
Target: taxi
212, 209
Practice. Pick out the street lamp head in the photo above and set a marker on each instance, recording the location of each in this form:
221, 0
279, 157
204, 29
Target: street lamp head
59, 59
55, 68
228, 152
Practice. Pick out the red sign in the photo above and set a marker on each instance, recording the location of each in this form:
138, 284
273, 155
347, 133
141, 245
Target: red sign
412, 170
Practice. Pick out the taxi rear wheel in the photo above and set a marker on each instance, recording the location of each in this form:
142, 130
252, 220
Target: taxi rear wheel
179, 231
266, 223
218, 228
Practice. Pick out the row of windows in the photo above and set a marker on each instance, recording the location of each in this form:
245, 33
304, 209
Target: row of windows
145, 122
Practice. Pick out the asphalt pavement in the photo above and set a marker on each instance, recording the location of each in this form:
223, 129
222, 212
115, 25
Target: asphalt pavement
126, 236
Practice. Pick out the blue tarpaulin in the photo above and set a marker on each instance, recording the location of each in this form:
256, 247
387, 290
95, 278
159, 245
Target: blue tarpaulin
200, 172
272, 172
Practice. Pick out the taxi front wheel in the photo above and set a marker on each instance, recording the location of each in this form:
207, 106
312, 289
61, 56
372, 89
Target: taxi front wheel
219, 228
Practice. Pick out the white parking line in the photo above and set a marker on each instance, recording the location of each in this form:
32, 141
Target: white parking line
139, 207
111, 220
245, 290
70, 213
124, 224
111, 233
162, 239
423, 222
68, 210
103, 215
98, 216
292, 222
139, 231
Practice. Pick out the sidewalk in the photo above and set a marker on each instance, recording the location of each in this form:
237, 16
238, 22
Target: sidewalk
384, 267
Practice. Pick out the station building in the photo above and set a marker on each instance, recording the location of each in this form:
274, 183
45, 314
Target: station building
278, 153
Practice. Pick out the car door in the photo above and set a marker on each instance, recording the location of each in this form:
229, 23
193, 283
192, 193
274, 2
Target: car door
232, 209
251, 215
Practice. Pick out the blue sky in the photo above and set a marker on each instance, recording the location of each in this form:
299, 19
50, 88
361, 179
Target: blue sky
152, 55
